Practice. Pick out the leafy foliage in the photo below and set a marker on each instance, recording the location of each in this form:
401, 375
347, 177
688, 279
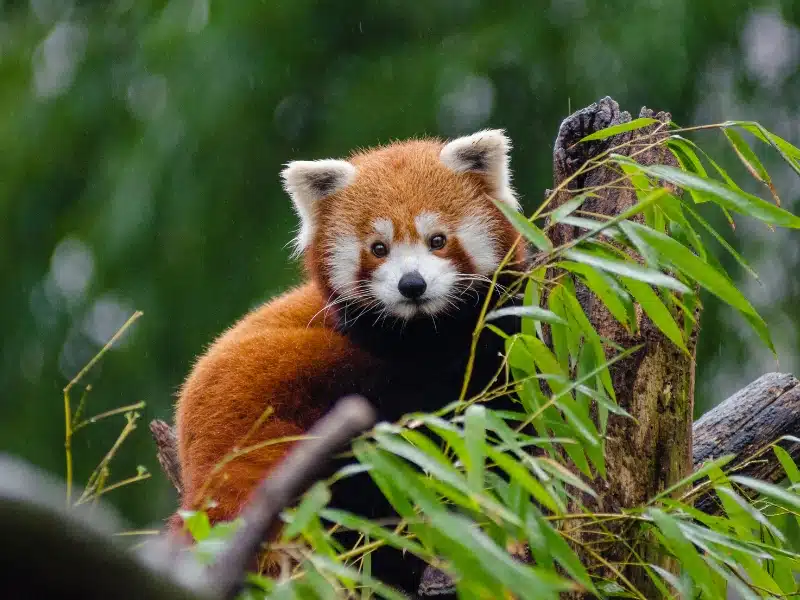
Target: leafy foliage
465, 481
442, 472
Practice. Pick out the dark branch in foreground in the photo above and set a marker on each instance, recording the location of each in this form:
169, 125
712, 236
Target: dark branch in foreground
350, 417
50, 550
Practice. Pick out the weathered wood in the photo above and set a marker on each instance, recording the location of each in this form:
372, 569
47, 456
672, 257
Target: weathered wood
745, 425
83, 560
655, 385
348, 418
167, 445
52, 551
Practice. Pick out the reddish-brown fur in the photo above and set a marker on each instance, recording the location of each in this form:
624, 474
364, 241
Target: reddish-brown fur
287, 356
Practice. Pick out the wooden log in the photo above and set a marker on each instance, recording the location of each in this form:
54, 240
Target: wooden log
746, 424
655, 385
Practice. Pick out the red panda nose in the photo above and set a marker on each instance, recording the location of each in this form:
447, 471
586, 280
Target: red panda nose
412, 285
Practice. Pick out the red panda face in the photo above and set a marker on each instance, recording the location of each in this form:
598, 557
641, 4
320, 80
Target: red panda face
409, 229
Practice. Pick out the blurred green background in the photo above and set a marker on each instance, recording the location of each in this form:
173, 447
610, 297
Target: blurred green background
142, 140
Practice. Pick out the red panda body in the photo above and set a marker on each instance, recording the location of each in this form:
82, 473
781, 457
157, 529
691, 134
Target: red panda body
399, 243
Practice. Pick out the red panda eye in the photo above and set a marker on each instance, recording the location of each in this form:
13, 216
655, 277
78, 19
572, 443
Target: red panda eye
437, 241
379, 249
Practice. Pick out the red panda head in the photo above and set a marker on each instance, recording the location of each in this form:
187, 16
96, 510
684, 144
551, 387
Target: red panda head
407, 229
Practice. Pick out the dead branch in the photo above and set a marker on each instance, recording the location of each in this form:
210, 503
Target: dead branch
348, 418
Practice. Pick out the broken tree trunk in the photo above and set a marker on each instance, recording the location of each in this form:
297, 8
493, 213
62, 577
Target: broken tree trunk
655, 385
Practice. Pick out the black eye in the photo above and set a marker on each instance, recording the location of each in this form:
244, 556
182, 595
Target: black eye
379, 249
437, 241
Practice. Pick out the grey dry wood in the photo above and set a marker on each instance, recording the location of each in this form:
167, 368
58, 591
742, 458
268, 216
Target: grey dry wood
746, 424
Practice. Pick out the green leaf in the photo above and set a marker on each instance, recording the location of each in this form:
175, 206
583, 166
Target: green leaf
621, 128
703, 471
654, 308
548, 542
627, 269
723, 242
559, 334
444, 473
682, 150
779, 496
535, 235
681, 258
788, 464
526, 312
569, 207
586, 327
522, 476
197, 523
673, 209
318, 496
789, 153
683, 550
373, 530
727, 197
475, 436
606, 288
533, 297
470, 551
750, 160
326, 564
593, 226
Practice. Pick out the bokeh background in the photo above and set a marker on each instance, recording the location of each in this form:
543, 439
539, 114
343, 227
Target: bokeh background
141, 140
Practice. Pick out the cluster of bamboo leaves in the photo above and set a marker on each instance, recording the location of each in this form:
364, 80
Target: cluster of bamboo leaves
470, 483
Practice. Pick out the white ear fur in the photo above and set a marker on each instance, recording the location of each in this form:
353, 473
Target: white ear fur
309, 181
484, 152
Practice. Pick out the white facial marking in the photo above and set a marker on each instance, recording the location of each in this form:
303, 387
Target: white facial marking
344, 260
439, 274
475, 235
384, 228
427, 224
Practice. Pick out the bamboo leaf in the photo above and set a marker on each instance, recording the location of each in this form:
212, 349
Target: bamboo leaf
655, 309
727, 197
606, 288
621, 128
750, 160
722, 241
475, 437
546, 541
681, 258
627, 269
317, 497
779, 496
569, 207
788, 464
526, 312
535, 235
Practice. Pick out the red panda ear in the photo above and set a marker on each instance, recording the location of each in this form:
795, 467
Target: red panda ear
484, 152
309, 181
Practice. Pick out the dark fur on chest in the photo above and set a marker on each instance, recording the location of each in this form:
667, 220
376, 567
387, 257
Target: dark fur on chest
419, 365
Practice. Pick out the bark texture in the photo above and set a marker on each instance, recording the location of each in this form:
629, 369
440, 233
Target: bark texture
746, 424
648, 453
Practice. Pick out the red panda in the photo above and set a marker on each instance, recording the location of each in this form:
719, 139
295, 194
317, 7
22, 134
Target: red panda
399, 243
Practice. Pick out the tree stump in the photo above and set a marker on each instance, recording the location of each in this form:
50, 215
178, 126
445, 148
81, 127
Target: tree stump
655, 385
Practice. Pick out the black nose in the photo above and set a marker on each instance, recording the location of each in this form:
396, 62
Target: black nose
412, 285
